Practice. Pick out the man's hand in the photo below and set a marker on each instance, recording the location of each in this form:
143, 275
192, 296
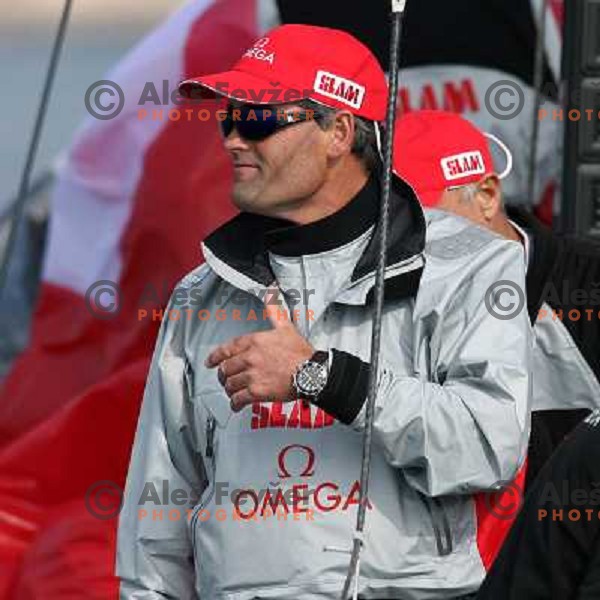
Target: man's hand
260, 367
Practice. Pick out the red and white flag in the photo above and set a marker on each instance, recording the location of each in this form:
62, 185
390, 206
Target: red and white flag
134, 197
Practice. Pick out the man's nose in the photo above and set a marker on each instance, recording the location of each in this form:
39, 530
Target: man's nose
234, 142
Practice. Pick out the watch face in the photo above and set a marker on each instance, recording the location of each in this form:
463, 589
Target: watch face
311, 379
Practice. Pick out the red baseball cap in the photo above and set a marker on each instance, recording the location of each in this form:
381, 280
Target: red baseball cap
294, 62
435, 150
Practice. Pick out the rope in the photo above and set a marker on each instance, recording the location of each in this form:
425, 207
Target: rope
18, 207
354, 568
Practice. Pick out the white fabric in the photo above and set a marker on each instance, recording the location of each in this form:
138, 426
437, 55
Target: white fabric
313, 274
553, 42
96, 185
527, 241
462, 89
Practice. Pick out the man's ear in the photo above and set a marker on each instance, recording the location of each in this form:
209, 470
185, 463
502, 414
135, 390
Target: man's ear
342, 134
489, 196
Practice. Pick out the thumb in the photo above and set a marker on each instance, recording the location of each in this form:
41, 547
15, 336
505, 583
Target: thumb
276, 308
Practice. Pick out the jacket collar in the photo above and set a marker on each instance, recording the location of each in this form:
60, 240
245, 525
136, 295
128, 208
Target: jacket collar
334, 231
238, 250
541, 262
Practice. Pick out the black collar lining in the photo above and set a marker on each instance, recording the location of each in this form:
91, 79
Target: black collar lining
242, 242
338, 229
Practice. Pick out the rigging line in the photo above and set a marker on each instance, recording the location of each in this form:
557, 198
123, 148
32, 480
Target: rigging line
357, 542
538, 76
19, 204
38, 185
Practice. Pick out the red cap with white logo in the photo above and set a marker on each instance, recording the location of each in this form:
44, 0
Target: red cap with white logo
436, 150
294, 62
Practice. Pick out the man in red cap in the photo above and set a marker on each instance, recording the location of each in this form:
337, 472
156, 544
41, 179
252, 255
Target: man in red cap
448, 162
245, 474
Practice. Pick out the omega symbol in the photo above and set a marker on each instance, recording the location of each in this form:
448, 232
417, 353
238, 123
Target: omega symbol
261, 43
308, 470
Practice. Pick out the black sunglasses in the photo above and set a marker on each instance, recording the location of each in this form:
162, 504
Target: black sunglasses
256, 123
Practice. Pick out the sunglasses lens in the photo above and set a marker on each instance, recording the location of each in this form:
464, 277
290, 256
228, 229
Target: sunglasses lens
225, 122
257, 124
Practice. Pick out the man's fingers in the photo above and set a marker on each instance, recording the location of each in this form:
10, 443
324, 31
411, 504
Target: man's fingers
236, 383
217, 356
231, 366
241, 399
225, 351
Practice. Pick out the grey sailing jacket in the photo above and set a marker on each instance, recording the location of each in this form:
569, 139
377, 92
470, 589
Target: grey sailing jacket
262, 503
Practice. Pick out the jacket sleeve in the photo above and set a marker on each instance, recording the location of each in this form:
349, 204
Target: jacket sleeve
154, 549
460, 423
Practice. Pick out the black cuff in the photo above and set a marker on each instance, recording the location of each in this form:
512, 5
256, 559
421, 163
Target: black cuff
347, 387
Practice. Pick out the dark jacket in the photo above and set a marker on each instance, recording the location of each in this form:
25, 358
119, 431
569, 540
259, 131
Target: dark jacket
553, 549
563, 275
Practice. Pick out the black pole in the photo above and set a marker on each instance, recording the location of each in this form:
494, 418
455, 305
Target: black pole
397, 14
19, 206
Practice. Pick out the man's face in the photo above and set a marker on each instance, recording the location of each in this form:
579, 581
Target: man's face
276, 175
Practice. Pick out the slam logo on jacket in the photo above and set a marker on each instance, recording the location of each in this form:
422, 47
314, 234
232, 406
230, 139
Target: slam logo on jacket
338, 88
289, 415
463, 165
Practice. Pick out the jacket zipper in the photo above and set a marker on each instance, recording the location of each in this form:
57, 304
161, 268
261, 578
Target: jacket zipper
446, 549
440, 524
210, 435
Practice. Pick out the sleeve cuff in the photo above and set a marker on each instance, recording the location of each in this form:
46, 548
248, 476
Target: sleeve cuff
347, 385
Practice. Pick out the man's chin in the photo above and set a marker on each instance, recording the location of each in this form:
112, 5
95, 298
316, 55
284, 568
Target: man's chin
245, 201
254, 206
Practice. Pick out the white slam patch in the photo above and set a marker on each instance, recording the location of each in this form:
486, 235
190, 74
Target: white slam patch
463, 165
339, 88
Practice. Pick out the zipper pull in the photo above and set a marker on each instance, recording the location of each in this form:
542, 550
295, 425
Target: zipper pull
189, 378
210, 435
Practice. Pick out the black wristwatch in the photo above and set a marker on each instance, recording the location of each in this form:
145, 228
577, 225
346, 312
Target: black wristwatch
311, 376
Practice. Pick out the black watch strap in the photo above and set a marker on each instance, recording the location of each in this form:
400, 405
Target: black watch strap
320, 356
